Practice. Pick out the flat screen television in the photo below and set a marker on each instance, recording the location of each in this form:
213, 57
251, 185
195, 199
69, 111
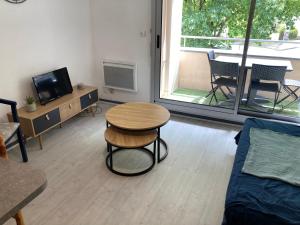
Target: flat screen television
52, 85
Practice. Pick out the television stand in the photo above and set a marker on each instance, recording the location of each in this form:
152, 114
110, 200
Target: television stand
46, 117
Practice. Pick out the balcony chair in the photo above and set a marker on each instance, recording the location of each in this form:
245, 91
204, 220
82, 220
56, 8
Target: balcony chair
267, 78
212, 56
291, 87
10, 129
224, 74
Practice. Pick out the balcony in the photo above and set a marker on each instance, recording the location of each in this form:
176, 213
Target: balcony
192, 82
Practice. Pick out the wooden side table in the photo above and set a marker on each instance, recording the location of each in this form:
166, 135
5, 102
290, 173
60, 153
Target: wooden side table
123, 139
138, 117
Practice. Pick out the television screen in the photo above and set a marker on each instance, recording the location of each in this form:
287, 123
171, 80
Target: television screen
52, 85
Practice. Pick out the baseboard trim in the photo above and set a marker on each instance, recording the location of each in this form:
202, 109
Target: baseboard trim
205, 118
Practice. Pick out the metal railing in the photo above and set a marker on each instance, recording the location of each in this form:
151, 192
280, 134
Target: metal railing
258, 47
185, 37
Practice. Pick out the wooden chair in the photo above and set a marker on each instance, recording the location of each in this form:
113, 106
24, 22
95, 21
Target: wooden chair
15, 118
3, 154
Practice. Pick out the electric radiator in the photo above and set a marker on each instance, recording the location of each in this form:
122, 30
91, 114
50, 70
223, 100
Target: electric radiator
120, 75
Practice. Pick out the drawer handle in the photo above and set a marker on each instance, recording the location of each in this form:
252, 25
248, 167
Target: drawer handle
47, 117
70, 106
90, 97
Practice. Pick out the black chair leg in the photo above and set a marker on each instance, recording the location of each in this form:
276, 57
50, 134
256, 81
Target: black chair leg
275, 101
223, 92
230, 92
214, 89
209, 93
22, 146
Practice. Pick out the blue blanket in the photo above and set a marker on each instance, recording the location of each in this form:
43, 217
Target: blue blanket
251, 200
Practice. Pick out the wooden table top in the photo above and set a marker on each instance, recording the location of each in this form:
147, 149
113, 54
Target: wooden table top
252, 60
19, 185
137, 116
129, 139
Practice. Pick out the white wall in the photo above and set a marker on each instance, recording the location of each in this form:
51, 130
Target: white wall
39, 36
117, 35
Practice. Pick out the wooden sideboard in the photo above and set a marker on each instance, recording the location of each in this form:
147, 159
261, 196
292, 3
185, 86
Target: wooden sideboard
34, 124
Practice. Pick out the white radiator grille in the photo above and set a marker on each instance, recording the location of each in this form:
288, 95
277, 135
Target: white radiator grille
120, 75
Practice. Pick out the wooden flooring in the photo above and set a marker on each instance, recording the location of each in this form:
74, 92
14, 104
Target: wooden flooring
188, 188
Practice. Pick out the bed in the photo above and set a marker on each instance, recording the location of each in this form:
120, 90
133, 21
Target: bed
251, 200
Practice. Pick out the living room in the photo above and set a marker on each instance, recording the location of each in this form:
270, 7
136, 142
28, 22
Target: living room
99, 143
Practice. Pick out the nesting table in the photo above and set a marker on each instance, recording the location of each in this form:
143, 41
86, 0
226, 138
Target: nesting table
136, 125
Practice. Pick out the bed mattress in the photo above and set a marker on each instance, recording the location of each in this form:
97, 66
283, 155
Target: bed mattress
251, 200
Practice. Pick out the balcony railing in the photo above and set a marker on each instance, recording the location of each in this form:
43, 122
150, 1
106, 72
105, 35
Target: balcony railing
258, 47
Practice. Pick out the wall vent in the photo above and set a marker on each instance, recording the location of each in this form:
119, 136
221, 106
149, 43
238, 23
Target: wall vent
120, 75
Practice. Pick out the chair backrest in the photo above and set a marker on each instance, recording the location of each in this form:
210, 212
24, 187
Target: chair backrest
271, 73
211, 55
224, 69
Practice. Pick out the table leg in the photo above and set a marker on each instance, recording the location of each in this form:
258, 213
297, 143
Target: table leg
111, 156
19, 218
158, 145
154, 151
160, 142
40, 142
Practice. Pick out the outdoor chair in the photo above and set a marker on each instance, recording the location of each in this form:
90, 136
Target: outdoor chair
224, 74
291, 87
212, 56
268, 79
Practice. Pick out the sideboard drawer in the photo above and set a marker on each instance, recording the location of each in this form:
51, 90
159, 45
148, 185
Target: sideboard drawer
69, 109
89, 99
46, 121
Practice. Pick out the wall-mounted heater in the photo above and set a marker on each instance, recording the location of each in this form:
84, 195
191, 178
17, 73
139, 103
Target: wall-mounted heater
120, 75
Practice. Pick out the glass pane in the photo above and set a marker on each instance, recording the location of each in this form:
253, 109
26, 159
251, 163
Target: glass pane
274, 44
192, 28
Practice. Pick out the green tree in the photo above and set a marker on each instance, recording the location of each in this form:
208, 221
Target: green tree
217, 17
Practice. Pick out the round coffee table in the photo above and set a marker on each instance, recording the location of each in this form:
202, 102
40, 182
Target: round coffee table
139, 116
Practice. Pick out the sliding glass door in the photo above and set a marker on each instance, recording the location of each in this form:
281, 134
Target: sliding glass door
190, 29
190, 35
272, 82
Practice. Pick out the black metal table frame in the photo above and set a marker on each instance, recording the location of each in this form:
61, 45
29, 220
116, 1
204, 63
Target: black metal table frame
109, 159
159, 142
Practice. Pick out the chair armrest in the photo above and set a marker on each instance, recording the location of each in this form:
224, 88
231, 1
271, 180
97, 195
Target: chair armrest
13, 106
7, 102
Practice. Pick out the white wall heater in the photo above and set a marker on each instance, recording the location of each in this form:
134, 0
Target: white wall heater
120, 75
